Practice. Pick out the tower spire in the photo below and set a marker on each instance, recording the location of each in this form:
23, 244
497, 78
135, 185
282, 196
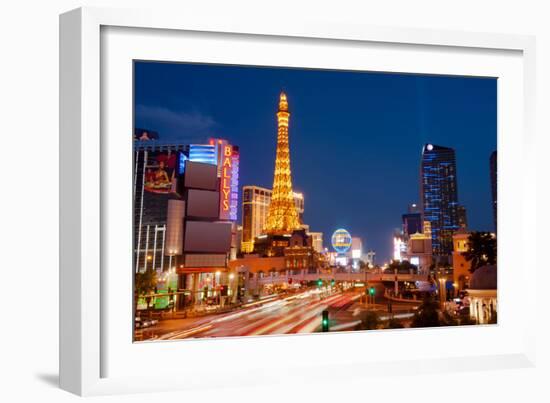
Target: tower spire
282, 216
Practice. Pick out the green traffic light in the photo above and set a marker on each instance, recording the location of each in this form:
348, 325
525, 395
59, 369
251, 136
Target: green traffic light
324, 321
371, 291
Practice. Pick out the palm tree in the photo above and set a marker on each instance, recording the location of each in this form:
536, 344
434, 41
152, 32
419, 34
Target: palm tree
482, 250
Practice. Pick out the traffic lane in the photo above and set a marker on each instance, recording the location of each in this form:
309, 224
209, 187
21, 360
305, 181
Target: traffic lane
281, 317
167, 326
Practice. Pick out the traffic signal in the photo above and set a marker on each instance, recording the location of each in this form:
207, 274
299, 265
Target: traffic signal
223, 290
332, 282
371, 291
324, 321
319, 283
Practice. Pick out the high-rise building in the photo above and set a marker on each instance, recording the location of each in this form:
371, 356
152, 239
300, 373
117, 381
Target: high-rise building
439, 196
462, 217
156, 167
282, 217
493, 169
412, 223
370, 257
399, 245
317, 241
255, 205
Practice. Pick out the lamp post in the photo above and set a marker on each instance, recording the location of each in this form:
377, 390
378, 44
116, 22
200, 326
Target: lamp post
442, 290
231, 291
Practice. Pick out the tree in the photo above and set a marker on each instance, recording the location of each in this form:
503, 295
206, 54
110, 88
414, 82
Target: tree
427, 314
145, 284
482, 250
403, 266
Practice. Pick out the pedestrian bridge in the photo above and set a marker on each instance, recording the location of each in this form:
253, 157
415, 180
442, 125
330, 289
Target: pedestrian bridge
280, 278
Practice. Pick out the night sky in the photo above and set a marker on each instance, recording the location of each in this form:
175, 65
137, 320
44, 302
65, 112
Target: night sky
355, 137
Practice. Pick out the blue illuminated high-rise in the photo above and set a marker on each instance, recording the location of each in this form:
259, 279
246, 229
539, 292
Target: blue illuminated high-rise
439, 195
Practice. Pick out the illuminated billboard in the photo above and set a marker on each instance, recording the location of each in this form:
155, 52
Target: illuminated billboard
229, 182
160, 172
398, 245
206, 153
341, 240
234, 203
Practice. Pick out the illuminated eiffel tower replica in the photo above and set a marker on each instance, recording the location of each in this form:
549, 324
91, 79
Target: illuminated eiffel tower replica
282, 217
282, 222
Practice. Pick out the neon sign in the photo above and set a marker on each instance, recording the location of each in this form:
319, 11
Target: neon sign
225, 182
227, 157
233, 205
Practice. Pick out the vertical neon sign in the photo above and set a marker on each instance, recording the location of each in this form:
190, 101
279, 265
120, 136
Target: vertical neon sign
234, 202
225, 182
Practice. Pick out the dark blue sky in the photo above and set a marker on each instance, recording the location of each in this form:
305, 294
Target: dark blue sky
355, 137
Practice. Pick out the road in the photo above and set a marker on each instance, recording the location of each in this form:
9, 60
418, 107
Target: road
298, 313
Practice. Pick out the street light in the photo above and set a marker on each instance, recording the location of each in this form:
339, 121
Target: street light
442, 296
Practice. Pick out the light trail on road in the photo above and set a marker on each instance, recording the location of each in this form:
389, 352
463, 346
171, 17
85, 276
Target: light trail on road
297, 313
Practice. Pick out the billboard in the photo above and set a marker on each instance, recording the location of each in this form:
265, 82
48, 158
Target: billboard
160, 172
341, 240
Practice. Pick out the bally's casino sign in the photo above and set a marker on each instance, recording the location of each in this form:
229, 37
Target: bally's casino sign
229, 183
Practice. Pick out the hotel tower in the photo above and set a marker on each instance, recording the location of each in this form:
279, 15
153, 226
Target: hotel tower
439, 195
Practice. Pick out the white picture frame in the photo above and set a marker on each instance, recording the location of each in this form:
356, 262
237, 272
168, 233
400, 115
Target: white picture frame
87, 321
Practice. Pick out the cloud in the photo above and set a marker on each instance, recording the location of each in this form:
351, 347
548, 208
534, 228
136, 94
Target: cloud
174, 124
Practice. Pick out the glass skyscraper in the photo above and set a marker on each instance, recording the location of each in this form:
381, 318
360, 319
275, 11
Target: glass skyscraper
439, 195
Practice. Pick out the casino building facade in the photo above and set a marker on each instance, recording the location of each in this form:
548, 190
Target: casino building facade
185, 210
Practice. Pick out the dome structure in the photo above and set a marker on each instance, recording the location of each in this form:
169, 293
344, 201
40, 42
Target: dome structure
484, 278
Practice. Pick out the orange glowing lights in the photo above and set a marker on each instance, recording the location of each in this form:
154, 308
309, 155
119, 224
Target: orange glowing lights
282, 216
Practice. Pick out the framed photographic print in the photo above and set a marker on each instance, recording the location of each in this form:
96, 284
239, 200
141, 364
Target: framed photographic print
258, 194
